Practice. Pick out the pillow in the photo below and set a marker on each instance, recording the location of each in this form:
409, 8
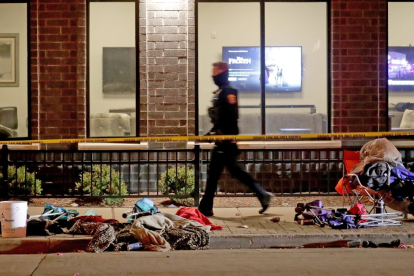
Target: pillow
407, 120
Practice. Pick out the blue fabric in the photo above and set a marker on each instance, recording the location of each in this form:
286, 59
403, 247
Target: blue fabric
145, 205
69, 212
342, 221
402, 173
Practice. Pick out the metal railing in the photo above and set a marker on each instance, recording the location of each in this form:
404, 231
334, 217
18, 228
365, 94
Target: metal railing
173, 173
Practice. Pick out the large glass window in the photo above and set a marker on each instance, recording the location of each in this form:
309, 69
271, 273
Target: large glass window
230, 31
296, 67
294, 96
14, 81
112, 69
400, 66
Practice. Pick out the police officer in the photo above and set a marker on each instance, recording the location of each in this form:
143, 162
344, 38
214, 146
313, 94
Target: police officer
224, 115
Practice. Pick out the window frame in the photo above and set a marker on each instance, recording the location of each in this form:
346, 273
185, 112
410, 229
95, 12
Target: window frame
262, 57
137, 64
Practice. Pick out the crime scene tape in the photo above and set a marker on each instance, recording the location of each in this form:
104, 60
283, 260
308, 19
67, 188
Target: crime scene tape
349, 135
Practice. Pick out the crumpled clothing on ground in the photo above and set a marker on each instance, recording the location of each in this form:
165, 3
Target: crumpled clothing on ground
162, 221
151, 240
36, 227
194, 214
103, 237
94, 219
113, 236
106, 236
155, 222
181, 222
375, 175
188, 238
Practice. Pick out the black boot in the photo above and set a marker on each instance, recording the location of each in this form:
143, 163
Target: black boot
393, 244
265, 201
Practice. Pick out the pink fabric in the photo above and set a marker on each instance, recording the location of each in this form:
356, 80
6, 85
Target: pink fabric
359, 209
194, 214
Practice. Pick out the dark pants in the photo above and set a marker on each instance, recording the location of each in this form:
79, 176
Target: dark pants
225, 155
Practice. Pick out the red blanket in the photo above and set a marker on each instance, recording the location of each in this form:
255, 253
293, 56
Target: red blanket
194, 214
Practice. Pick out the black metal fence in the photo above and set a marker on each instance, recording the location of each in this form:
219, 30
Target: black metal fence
178, 173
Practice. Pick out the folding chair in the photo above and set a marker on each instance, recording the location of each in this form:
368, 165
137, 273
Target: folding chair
351, 188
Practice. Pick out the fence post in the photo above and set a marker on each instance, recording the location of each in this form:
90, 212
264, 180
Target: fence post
5, 166
196, 175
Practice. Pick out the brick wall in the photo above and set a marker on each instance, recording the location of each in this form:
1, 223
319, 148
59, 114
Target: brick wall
359, 68
57, 44
167, 47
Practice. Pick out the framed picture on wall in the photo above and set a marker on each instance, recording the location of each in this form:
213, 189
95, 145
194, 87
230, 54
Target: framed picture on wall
119, 70
9, 59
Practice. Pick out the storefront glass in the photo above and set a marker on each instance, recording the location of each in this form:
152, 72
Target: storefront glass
112, 69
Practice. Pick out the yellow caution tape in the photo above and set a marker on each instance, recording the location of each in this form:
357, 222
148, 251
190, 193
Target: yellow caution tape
353, 135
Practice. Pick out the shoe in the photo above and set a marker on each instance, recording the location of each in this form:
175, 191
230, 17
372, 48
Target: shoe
207, 213
393, 244
265, 201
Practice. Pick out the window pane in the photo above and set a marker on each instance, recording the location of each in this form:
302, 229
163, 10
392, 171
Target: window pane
13, 70
400, 66
296, 67
230, 32
112, 63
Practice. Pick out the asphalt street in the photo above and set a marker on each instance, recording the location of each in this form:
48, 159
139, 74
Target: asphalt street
332, 261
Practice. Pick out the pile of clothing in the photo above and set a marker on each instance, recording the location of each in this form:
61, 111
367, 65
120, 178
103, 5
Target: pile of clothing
341, 218
158, 232
187, 229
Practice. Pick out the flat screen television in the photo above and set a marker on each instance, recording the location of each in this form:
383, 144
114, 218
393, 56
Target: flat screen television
283, 68
400, 68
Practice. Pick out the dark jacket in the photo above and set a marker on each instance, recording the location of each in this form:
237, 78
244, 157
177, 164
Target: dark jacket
225, 111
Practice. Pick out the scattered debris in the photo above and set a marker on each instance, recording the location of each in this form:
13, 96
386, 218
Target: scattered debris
275, 219
243, 226
238, 214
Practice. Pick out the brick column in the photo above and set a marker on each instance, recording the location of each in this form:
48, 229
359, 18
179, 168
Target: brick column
359, 65
167, 71
57, 44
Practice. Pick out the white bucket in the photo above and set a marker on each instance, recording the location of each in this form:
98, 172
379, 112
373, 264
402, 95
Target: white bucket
13, 218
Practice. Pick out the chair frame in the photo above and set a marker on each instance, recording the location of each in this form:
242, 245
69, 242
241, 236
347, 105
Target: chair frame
382, 218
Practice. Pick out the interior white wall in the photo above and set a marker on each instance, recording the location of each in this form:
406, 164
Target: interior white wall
400, 33
234, 24
287, 24
301, 24
112, 24
13, 19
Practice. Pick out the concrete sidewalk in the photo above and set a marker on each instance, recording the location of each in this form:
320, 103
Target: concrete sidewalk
243, 228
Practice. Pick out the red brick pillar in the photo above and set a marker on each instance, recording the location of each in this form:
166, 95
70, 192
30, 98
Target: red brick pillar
359, 65
57, 45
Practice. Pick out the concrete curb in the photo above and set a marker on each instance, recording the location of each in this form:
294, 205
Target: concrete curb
37, 245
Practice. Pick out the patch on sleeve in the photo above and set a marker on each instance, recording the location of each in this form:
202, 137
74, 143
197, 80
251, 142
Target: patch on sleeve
232, 99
